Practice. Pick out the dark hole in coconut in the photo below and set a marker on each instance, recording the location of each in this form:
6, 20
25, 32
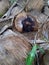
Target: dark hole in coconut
28, 24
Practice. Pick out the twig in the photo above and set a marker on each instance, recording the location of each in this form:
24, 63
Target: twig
9, 11
5, 19
7, 14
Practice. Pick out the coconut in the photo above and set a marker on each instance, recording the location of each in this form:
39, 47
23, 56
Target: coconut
24, 22
13, 49
35, 4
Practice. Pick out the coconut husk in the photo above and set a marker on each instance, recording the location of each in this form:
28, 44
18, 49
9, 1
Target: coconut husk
42, 18
46, 56
4, 5
35, 4
46, 10
13, 49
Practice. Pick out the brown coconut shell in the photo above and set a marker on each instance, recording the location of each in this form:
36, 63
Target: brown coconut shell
18, 21
13, 49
